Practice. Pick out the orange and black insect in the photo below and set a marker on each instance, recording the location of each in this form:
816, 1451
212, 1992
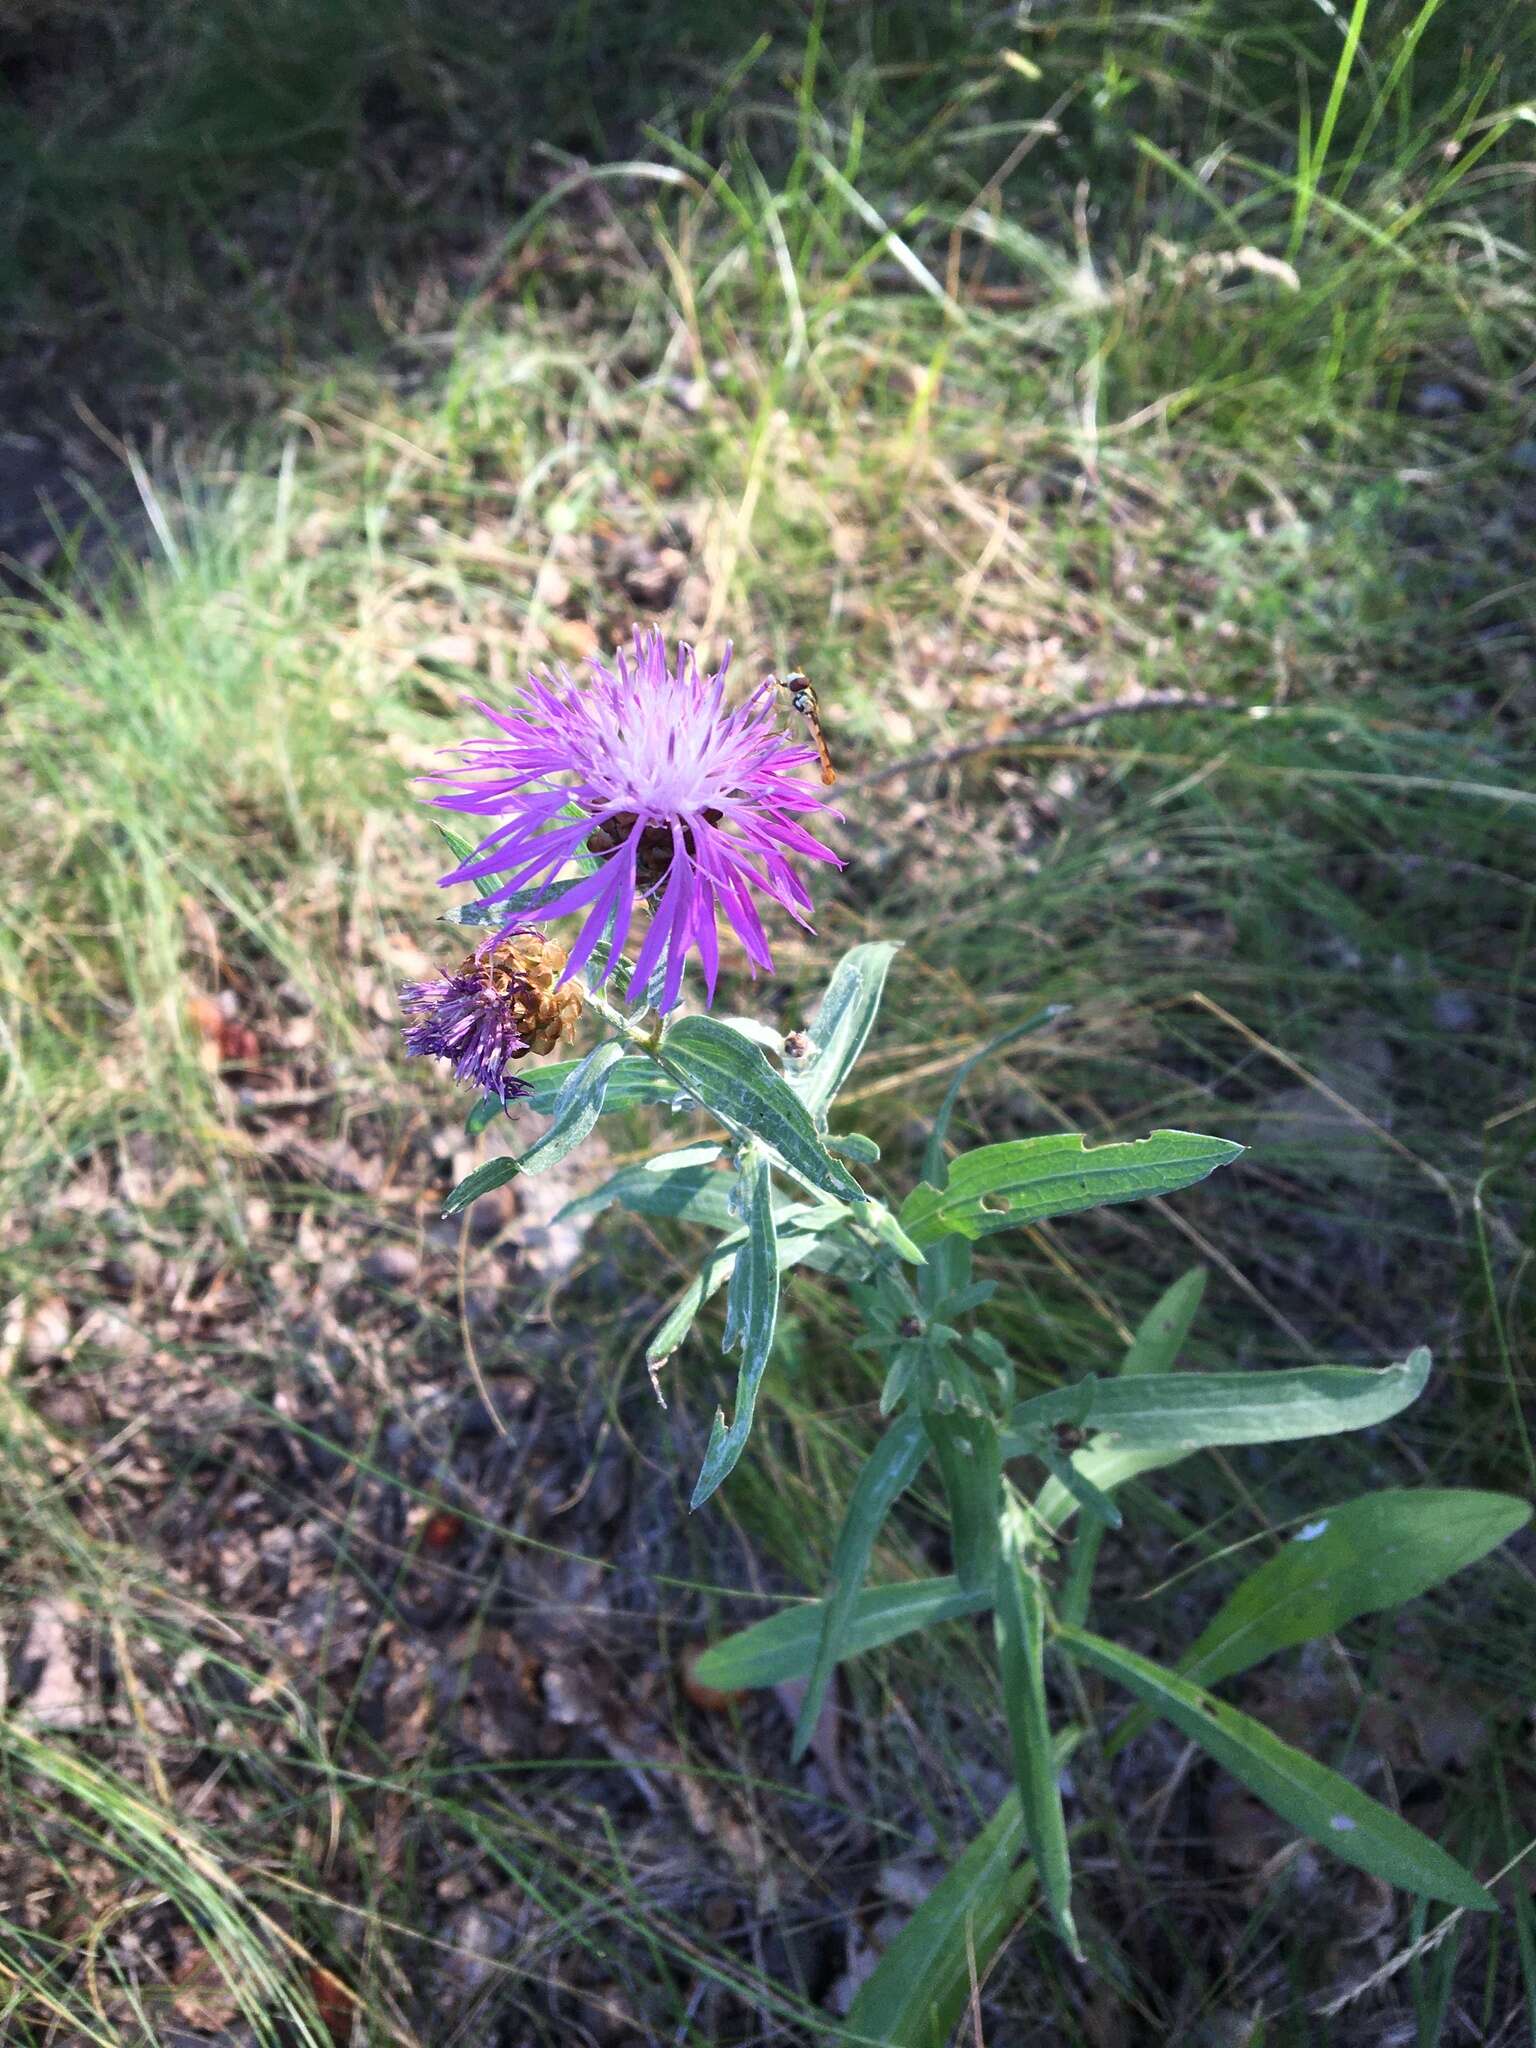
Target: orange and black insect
803, 697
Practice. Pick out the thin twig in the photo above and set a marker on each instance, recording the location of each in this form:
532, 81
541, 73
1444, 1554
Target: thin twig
1066, 721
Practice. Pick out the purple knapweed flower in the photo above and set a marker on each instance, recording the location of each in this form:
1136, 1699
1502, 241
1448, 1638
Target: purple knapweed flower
498, 1005
687, 805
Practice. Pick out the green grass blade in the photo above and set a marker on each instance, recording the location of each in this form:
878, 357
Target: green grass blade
1161, 1333
933, 1152
1154, 1349
1312, 157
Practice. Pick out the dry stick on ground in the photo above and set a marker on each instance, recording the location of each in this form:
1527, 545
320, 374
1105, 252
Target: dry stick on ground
1066, 721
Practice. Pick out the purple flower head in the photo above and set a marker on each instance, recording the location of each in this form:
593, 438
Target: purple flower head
499, 1004
687, 805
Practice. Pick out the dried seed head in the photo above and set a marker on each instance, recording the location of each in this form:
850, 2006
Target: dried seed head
524, 971
498, 1007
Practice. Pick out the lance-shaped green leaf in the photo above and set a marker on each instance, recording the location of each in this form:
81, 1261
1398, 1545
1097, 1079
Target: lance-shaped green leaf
577, 1108
521, 903
852, 1145
484, 885
1018, 1620
1192, 1411
485, 1111
842, 1022
1332, 1398
888, 1471
1001, 1187
1162, 1330
783, 1646
970, 1463
633, 1082
688, 1184
918, 1990
1155, 1348
797, 1245
495, 1173
1317, 1802
1362, 1557
1358, 1558
735, 1083
751, 1313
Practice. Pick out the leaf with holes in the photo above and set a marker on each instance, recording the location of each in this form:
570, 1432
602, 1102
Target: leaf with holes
1003, 1187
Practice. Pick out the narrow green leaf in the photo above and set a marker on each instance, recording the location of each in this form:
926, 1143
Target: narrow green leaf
843, 1021
877, 1219
947, 1272
752, 1299
796, 1246
1181, 1412
888, 1471
1154, 1349
494, 1174
688, 1184
1002, 1187
1362, 1557
852, 1145
1018, 1619
1319, 1803
521, 903
1160, 1335
735, 1083
751, 1314
784, 1646
462, 851
577, 1108
484, 1112
631, 1083
918, 1990
969, 1458
1094, 1502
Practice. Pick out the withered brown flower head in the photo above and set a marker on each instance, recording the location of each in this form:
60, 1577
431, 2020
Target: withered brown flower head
496, 1008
